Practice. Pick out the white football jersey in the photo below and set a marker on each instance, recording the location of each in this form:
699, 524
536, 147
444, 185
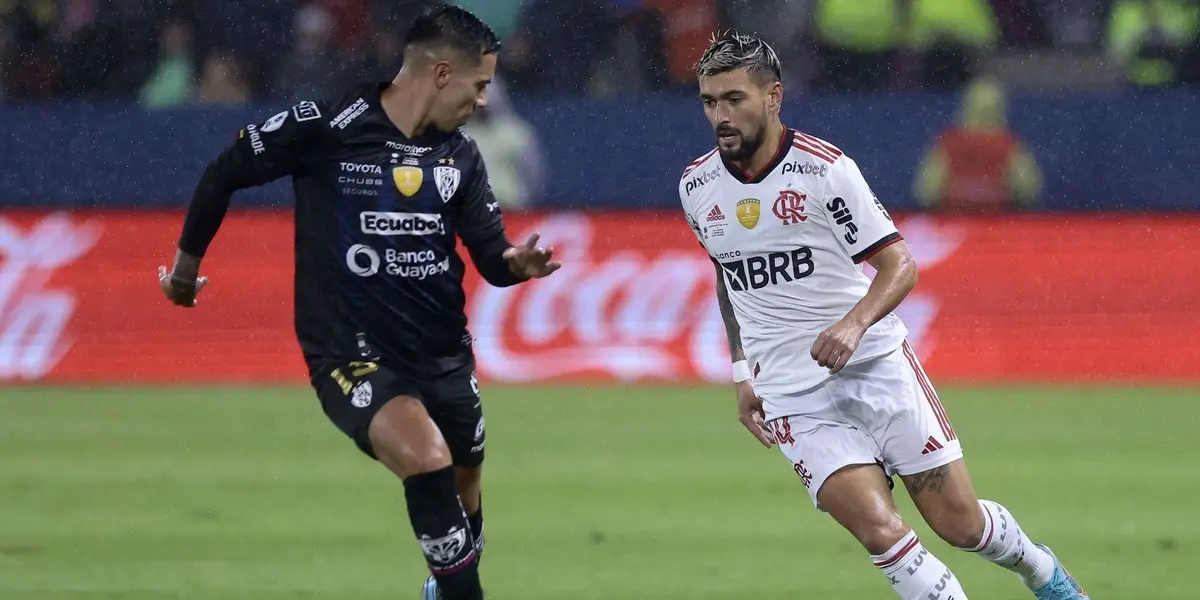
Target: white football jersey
790, 241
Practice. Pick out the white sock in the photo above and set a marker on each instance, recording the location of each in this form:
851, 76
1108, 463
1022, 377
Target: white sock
916, 574
1006, 545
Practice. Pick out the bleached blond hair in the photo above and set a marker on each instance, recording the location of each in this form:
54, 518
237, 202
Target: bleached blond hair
730, 51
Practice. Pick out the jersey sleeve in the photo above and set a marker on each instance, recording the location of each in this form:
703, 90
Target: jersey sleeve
856, 218
479, 216
285, 144
482, 228
691, 219
281, 146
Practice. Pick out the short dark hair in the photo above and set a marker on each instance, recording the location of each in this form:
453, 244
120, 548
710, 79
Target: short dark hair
731, 51
453, 27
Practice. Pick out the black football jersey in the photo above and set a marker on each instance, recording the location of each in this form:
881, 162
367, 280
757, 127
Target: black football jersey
377, 216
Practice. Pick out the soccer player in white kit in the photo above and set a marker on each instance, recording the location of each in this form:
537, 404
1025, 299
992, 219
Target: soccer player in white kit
821, 364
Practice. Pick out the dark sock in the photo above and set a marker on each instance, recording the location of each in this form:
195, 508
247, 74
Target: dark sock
440, 524
476, 522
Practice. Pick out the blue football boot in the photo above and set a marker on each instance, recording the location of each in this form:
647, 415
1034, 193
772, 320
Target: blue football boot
1062, 586
429, 591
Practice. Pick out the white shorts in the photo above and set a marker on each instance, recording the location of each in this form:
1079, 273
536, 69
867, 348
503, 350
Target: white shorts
882, 411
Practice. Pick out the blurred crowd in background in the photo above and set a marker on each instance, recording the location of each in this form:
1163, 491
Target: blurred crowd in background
173, 52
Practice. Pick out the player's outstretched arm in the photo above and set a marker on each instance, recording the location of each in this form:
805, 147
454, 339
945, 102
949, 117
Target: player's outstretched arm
279, 147
210, 202
498, 261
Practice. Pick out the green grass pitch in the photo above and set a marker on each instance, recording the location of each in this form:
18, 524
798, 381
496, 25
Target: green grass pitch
590, 493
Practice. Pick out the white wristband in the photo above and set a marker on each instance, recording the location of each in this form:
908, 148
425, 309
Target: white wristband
741, 371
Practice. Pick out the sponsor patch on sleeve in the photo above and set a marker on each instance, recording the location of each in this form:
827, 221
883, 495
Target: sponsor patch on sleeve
306, 111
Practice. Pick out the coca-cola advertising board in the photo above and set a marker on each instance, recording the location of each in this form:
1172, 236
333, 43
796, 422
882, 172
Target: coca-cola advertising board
1049, 298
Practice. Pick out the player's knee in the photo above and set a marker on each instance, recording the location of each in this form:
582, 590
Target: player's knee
878, 537
468, 477
412, 460
960, 526
429, 459
406, 440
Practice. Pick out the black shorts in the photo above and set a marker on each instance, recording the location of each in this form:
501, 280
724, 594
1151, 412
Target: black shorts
351, 392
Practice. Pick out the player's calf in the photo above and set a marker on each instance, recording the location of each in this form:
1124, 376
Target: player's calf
470, 483
858, 498
915, 573
406, 441
1004, 543
442, 530
946, 499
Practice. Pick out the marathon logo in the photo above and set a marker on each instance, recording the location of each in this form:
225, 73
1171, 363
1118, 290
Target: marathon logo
803, 168
400, 223
346, 116
698, 181
357, 168
409, 148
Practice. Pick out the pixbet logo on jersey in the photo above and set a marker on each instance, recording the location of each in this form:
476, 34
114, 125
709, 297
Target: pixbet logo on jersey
758, 272
789, 207
805, 169
698, 181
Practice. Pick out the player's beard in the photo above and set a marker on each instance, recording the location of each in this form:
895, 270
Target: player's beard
748, 144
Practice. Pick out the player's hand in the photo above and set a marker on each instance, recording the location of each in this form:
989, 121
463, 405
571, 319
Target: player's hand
836, 345
530, 260
750, 413
180, 289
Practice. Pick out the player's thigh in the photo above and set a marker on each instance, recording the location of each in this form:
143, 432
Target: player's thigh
819, 445
894, 401
859, 498
381, 411
405, 438
454, 402
839, 464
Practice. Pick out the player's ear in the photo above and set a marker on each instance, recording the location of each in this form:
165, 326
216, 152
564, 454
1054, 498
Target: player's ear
441, 74
775, 96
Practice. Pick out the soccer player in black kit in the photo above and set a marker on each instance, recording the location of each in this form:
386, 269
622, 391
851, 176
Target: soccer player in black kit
384, 181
